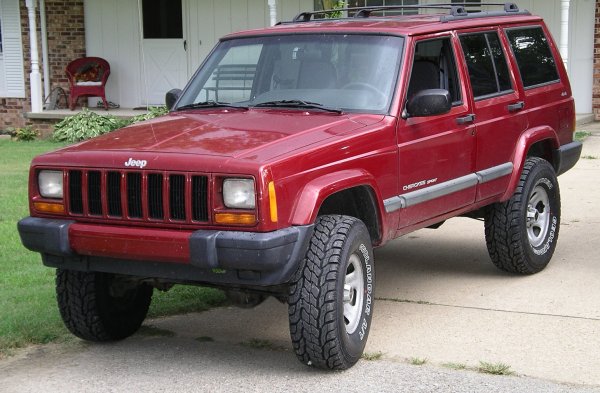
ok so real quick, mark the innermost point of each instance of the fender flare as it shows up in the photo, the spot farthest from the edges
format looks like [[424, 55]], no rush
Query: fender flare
[[526, 140], [314, 193]]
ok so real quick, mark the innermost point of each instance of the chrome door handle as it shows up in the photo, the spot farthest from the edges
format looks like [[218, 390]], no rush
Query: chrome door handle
[[516, 106], [470, 118]]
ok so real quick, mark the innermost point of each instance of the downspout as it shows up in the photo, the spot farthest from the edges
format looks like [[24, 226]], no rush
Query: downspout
[[35, 78], [272, 12], [45, 63], [564, 32]]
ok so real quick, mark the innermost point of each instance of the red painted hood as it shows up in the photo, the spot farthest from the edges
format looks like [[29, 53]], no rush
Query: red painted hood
[[253, 134]]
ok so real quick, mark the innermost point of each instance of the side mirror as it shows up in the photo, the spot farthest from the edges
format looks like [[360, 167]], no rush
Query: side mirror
[[171, 97], [429, 102]]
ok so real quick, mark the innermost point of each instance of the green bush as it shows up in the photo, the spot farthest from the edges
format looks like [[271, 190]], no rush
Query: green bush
[[153, 111], [87, 124], [26, 134]]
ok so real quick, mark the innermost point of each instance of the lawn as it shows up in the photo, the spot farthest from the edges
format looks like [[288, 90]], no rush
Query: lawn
[[28, 311]]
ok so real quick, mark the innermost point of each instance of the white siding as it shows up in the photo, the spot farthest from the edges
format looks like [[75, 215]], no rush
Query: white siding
[[12, 77], [113, 32], [581, 53]]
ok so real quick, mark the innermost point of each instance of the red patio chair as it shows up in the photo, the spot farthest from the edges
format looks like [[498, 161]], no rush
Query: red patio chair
[[87, 78]]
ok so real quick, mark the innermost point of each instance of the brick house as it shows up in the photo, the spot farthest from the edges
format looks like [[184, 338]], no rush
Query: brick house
[[155, 45]]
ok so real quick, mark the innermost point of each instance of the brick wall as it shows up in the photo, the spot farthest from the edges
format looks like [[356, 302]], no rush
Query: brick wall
[[66, 41], [596, 89]]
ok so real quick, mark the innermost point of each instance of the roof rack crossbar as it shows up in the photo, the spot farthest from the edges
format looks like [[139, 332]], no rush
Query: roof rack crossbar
[[456, 10]]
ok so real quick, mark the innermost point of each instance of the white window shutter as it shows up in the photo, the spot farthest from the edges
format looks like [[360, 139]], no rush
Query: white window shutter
[[12, 48]]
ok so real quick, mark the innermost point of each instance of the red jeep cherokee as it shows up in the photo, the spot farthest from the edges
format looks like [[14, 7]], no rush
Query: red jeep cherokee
[[294, 150]]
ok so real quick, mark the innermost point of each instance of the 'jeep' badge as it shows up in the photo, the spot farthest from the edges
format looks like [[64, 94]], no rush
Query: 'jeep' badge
[[136, 163]]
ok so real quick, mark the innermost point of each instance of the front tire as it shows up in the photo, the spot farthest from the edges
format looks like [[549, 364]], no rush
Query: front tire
[[100, 306], [331, 295], [521, 233]]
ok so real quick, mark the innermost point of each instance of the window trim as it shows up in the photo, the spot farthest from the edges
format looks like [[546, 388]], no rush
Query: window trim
[[498, 93], [460, 86], [538, 26]]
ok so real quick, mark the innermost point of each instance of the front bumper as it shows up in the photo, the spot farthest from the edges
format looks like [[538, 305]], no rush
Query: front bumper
[[212, 257]]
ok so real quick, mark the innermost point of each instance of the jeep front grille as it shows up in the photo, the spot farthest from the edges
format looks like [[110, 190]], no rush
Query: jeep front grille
[[138, 195]]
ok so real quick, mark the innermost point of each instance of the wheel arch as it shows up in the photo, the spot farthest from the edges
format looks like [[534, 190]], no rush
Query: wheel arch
[[535, 142], [349, 192]]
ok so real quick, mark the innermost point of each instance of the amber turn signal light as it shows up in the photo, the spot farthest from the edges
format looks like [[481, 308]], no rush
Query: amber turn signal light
[[235, 218], [54, 208]]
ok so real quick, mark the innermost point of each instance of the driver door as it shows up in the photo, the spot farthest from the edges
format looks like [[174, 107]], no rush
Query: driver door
[[436, 153]]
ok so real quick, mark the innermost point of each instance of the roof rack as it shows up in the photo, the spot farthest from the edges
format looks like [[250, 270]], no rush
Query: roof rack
[[456, 11]]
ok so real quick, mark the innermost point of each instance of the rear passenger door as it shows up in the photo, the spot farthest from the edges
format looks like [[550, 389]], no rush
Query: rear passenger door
[[547, 94], [436, 152], [498, 107]]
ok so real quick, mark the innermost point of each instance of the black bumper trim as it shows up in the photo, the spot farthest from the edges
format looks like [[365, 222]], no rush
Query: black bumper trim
[[567, 156], [216, 257]]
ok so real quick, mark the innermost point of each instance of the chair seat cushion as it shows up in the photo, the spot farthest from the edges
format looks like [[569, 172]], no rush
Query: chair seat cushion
[[90, 83]]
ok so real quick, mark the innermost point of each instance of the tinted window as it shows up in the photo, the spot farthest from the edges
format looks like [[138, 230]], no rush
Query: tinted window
[[162, 19], [434, 67], [533, 55], [486, 63]]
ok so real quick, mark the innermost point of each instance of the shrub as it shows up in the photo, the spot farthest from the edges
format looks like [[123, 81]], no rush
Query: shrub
[[26, 134], [85, 125], [153, 111]]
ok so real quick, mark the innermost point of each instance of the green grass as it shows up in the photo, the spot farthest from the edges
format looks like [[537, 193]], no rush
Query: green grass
[[494, 368], [28, 311], [589, 157], [417, 361], [372, 355], [581, 135]]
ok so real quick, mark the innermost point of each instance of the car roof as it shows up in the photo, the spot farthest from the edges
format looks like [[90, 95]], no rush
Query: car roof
[[406, 25]]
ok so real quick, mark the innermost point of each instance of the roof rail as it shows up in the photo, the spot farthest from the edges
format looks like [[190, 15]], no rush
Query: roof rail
[[455, 11]]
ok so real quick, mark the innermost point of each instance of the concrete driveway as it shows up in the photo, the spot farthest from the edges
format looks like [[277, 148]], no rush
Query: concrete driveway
[[438, 297]]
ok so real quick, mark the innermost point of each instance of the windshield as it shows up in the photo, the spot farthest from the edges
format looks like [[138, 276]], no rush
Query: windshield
[[348, 72]]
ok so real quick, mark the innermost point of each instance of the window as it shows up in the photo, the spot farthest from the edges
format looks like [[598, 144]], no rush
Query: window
[[162, 19], [486, 62], [434, 67], [468, 4], [378, 3], [533, 55]]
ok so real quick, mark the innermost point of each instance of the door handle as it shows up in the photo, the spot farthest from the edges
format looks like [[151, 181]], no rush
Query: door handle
[[185, 45], [470, 118], [516, 106]]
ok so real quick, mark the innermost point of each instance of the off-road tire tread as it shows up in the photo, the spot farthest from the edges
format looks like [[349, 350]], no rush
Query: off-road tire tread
[[311, 301], [78, 303], [503, 230]]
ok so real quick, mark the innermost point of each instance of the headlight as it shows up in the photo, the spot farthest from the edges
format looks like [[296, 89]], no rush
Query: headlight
[[239, 193], [50, 184]]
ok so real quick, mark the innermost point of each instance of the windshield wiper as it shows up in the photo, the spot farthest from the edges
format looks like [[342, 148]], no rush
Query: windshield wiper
[[297, 104], [211, 104]]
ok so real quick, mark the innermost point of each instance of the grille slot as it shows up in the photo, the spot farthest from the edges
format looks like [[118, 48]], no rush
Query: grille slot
[[134, 195], [200, 198], [94, 193], [75, 192], [177, 197], [140, 195], [113, 194], [155, 196]]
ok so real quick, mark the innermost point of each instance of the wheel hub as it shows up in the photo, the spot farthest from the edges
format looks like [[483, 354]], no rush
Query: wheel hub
[[354, 293], [538, 216]]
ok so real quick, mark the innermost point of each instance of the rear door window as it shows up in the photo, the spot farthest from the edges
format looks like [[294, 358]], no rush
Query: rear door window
[[534, 57], [486, 62]]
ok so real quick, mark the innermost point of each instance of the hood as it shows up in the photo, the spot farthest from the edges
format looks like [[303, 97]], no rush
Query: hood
[[230, 133]]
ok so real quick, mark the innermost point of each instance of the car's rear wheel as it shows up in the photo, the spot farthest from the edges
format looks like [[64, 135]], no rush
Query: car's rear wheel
[[331, 295], [101, 306], [521, 233]]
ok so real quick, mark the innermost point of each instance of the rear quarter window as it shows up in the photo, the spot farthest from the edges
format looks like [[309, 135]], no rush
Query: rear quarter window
[[534, 57]]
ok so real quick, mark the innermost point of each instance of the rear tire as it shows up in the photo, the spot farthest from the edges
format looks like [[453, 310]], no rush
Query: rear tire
[[521, 233], [95, 309], [331, 295]]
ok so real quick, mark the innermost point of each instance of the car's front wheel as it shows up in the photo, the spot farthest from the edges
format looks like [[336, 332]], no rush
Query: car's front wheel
[[101, 306], [331, 295]]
